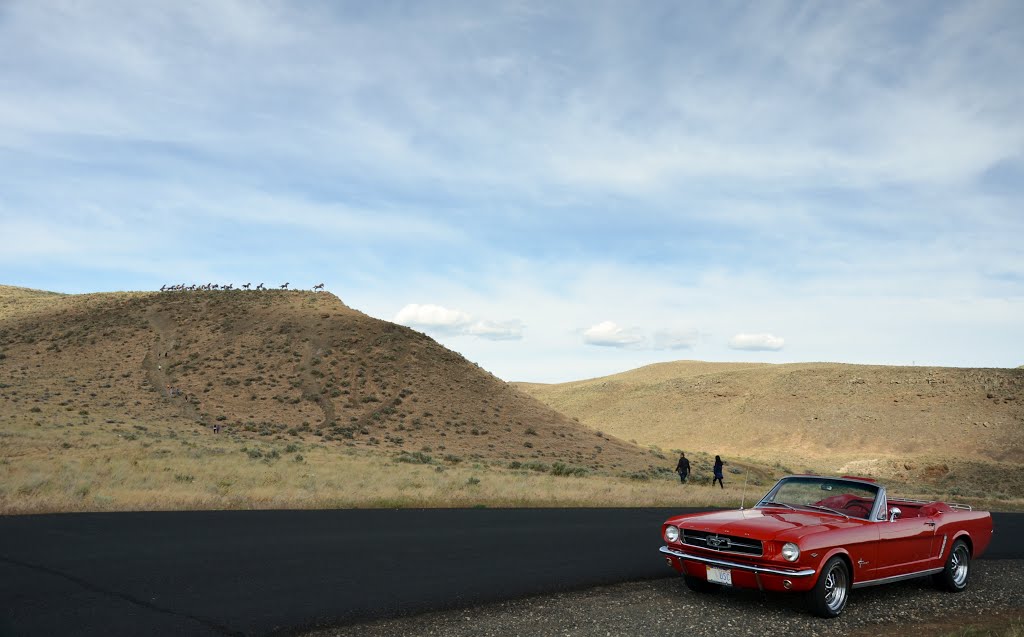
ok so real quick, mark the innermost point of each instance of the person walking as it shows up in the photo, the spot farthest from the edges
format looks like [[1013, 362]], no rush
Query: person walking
[[718, 472], [683, 468]]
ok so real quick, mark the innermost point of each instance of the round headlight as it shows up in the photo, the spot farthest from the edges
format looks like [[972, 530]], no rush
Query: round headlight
[[671, 533], [790, 551]]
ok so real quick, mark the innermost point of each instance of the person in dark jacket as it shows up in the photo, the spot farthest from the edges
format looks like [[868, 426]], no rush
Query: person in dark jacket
[[718, 472], [683, 467]]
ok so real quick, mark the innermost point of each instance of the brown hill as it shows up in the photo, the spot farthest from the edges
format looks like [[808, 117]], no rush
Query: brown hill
[[867, 419], [275, 364]]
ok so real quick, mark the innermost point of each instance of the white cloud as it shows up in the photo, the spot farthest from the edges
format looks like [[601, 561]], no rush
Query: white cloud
[[433, 318], [609, 334], [449, 322], [757, 342], [675, 339], [497, 331]]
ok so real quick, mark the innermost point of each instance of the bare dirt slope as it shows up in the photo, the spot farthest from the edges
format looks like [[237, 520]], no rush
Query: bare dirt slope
[[273, 362], [866, 419]]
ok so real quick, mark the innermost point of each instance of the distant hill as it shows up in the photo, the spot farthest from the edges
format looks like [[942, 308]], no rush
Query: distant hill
[[853, 418], [272, 364]]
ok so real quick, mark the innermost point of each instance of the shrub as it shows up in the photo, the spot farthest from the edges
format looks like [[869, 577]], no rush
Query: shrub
[[473, 481], [416, 457], [562, 469]]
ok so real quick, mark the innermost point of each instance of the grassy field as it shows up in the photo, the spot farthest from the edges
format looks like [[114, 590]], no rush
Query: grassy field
[[139, 467], [118, 467]]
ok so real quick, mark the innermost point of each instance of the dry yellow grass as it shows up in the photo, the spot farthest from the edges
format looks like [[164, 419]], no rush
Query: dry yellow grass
[[15, 301], [952, 429], [115, 468]]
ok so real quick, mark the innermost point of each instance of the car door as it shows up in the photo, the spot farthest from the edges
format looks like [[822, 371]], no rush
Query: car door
[[904, 546]]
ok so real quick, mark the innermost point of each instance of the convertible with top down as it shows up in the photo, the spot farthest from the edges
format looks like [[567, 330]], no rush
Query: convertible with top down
[[823, 536]]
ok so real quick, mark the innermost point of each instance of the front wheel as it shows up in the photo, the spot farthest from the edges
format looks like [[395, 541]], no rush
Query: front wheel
[[829, 596], [957, 573]]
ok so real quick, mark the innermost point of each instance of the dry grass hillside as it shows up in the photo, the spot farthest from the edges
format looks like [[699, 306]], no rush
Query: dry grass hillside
[[109, 402], [943, 426], [98, 378]]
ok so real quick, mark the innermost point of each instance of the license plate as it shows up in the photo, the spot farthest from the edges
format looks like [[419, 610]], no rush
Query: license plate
[[720, 575]]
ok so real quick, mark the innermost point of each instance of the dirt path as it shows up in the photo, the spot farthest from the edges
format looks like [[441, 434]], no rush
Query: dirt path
[[155, 364]]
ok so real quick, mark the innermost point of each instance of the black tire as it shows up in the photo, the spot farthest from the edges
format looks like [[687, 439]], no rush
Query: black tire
[[699, 585], [832, 590], [957, 573]]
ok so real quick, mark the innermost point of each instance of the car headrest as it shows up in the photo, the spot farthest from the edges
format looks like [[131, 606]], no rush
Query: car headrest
[[935, 508]]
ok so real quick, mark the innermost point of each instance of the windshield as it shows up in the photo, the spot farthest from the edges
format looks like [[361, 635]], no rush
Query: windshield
[[845, 497]]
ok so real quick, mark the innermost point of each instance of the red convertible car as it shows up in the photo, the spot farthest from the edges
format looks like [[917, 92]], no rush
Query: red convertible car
[[823, 536]]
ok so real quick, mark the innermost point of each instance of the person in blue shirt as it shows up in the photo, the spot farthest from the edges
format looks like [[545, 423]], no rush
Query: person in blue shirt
[[718, 472]]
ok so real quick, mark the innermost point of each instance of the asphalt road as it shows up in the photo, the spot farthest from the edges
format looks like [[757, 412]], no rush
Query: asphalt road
[[263, 572]]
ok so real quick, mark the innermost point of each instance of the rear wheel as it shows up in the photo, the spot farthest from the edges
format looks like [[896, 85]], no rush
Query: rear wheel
[[829, 596], [699, 585], [957, 573]]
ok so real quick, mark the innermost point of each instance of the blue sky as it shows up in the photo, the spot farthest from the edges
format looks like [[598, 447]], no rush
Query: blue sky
[[555, 190]]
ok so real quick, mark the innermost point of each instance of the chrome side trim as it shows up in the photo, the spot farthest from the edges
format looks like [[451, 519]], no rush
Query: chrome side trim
[[943, 549], [896, 578], [804, 572], [880, 507]]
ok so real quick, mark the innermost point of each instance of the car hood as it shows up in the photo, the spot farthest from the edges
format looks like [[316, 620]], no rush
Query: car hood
[[763, 524]]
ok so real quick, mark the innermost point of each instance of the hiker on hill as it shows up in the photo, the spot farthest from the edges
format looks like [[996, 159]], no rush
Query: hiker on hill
[[718, 472], [683, 467]]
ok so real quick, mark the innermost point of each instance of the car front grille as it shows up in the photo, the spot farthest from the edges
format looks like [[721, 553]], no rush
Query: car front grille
[[722, 543]]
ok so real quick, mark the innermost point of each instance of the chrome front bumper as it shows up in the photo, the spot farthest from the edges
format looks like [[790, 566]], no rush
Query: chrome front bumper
[[763, 570]]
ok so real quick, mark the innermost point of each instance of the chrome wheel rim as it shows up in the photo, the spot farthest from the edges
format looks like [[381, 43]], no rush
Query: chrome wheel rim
[[835, 588], [958, 565]]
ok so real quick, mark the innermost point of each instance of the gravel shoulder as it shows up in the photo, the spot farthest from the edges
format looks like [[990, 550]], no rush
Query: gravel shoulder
[[667, 607]]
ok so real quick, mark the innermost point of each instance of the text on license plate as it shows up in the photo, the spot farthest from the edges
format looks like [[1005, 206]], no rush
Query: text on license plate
[[719, 575]]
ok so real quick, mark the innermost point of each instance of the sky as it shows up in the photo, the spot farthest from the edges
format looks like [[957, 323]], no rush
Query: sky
[[555, 190]]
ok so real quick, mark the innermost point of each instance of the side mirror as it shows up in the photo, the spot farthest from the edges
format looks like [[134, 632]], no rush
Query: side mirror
[[894, 514]]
